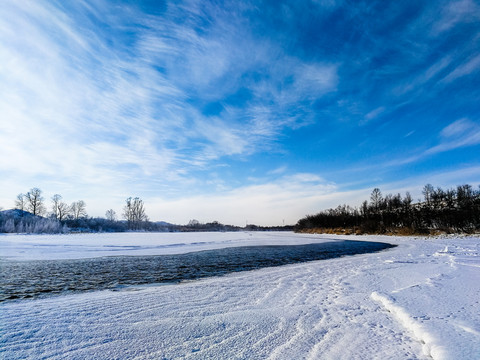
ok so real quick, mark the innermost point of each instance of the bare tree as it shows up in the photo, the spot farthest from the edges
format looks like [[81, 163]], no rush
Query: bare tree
[[376, 199], [364, 209], [407, 201], [193, 223], [60, 209], [134, 213], [450, 195], [34, 202], [20, 202], [78, 209], [63, 211], [465, 195], [427, 192], [56, 199], [111, 215]]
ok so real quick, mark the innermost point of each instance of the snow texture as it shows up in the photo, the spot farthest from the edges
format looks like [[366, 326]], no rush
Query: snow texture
[[420, 300]]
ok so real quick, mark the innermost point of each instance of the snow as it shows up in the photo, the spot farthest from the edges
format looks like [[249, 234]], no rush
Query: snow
[[420, 300], [78, 246]]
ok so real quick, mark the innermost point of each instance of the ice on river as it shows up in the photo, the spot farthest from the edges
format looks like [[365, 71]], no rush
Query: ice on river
[[420, 300], [78, 246]]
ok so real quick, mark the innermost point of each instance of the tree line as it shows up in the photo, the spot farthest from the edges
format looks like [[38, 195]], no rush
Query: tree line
[[31, 215], [452, 210]]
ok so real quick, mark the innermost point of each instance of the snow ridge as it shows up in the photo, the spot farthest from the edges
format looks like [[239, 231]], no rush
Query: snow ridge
[[430, 345]]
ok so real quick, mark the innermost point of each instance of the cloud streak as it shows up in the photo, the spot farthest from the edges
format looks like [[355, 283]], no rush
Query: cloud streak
[[192, 97], [458, 134], [124, 97]]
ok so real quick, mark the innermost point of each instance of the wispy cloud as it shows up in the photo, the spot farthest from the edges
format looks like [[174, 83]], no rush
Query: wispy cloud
[[279, 170], [468, 67], [373, 114], [417, 83], [315, 79], [201, 96], [455, 12], [113, 107], [458, 134]]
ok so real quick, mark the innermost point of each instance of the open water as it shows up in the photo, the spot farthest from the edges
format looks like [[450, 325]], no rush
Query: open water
[[40, 278]]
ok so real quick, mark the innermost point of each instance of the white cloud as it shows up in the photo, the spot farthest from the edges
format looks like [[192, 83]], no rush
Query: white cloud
[[458, 134], [279, 170], [457, 128], [372, 115], [455, 12], [87, 113], [102, 100], [313, 80], [468, 67], [418, 82], [77, 108], [269, 203]]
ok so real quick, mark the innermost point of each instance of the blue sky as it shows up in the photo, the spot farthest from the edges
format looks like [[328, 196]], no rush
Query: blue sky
[[237, 111]]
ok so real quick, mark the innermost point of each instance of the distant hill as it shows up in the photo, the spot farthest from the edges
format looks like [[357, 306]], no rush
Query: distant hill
[[163, 223], [17, 213], [24, 222]]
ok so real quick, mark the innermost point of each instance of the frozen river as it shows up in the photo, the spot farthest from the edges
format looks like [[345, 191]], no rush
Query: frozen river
[[418, 300], [39, 278]]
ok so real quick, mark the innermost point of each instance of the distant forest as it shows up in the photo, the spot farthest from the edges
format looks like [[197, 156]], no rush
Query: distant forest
[[455, 210], [450, 211], [34, 215]]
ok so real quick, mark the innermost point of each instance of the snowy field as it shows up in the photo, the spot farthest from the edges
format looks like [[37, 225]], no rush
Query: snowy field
[[420, 300]]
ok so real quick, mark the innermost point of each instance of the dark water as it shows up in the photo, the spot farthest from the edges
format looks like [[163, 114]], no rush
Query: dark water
[[40, 278]]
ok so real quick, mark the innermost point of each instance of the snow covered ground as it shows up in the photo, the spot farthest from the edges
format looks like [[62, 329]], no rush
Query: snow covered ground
[[420, 300]]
